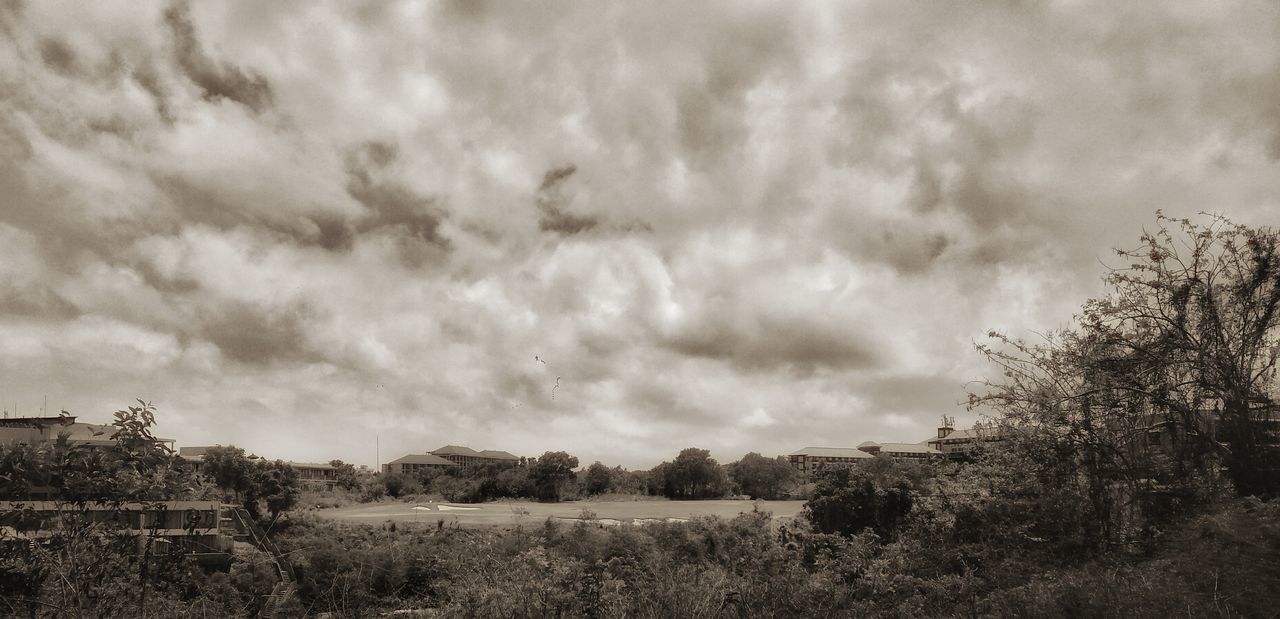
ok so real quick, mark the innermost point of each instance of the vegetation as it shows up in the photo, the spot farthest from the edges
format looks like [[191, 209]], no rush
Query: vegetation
[[693, 475], [763, 478], [976, 540], [255, 483]]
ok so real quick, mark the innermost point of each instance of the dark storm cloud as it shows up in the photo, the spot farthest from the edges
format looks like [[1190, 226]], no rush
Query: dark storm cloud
[[391, 206], [58, 56], [256, 335], [758, 340], [216, 79], [551, 203]]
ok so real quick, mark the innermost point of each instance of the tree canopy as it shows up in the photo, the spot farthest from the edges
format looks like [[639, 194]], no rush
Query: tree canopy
[[1169, 373], [762, 478]]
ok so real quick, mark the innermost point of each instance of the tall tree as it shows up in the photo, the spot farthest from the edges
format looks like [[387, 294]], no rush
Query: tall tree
[[230, 469], [550, 472], [597, 479], [761, 477], [694, 474], [346, 475], [1183, 346], [274, 484]]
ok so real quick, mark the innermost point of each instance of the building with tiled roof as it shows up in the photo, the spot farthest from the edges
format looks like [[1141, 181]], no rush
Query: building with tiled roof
[[467, 456], [38, 430], [900, 451], [414, 463], [316, 473], [960, 444], [811, 460]]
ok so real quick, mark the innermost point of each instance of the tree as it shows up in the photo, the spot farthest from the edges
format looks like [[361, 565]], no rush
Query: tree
[[135, 466], [85, 563], [275, 484], [345, 474], [761, 477], [230, 469], [694, 474], [393, 484], [1183, 346], [597, 479], [849, 501], [550, 472]]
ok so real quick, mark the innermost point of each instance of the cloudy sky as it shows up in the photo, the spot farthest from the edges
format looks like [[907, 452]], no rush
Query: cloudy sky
[[618, 229]]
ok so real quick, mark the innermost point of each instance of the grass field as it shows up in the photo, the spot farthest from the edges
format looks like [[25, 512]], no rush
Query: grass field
[[516, 512]]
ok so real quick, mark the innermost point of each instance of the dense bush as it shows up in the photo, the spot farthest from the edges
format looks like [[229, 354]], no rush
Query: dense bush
[[753, 565]]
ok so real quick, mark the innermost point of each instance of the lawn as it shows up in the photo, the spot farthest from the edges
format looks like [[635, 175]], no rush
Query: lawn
[[508, 513]]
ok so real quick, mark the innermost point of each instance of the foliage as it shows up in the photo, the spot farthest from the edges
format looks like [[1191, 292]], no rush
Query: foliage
[[82, 563], [550, 474], [274, 484], [1171, 373], [755, 566], [599, 479], [850, 500], [694, 474], [135, 466], [761, 477], [348, 478], [229, 468], [253, 482]]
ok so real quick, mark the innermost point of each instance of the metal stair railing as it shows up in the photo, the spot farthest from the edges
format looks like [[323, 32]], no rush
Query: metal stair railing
[[282, 589]]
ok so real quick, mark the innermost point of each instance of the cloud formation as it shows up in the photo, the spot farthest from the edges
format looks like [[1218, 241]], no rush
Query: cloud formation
[[749, 227]]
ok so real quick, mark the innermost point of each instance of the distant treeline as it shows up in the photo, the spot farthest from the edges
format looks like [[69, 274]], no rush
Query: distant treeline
[[693, 474]]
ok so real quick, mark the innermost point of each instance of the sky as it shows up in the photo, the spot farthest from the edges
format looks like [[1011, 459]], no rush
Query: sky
[[358, 230]]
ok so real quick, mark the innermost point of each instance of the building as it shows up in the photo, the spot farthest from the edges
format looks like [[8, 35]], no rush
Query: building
[[466, 456], [812, 460], [315, 474], [499, 457], [199, 528], [38, 430], [414, 463], [901, 451], [194, 454], [960, 444]]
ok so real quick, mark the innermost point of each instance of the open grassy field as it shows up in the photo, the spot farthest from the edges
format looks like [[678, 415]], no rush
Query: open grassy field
[[510, 513]]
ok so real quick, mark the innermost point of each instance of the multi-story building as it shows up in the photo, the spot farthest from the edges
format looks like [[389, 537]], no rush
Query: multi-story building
[[812, 460], [493, 456], [198, 529], [38, 430], [414, 463], [315, 474], [466, 456], [901, 451], [960, 444]]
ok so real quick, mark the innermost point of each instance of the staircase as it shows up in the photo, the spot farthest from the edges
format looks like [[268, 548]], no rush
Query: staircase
[[282, 589]]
